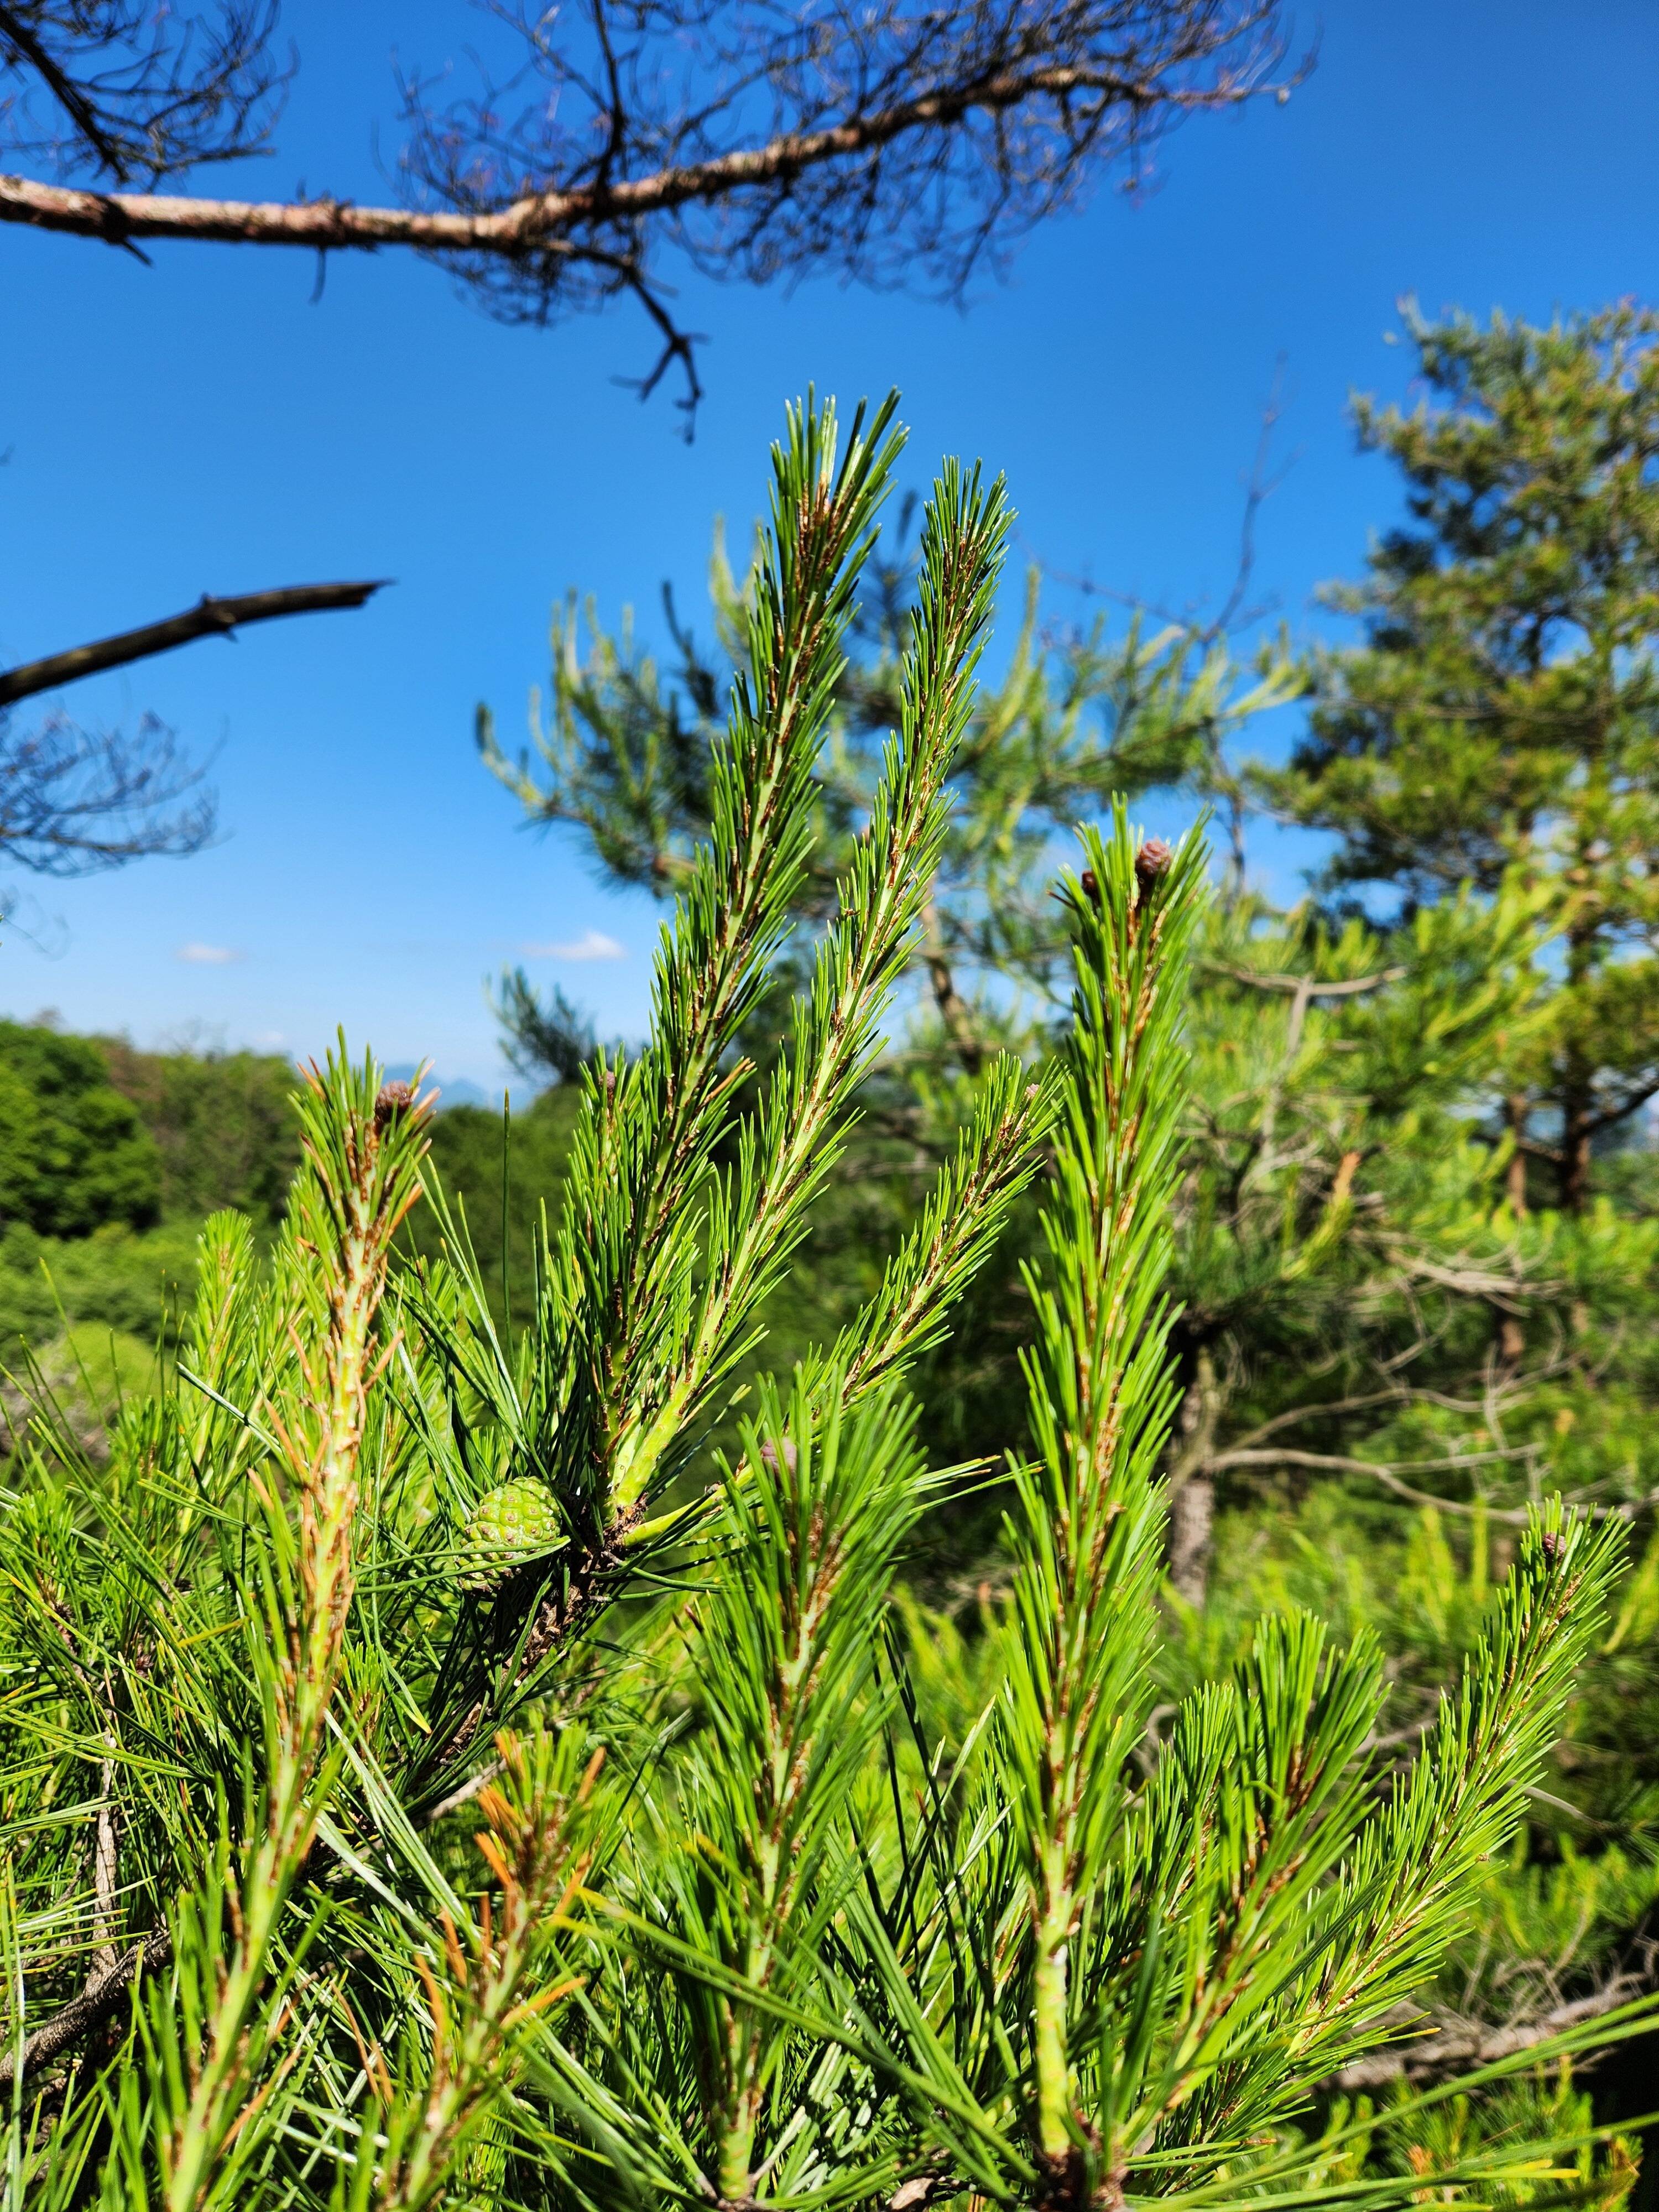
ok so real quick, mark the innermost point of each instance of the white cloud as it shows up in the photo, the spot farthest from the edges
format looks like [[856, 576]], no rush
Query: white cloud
[[592, 945], [209, 956]]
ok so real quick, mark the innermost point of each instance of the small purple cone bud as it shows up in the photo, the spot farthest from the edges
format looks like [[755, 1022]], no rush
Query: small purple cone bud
[[1153, 862], [1091, 888], [1551, 1545], [769, 1457], [392, 1102]]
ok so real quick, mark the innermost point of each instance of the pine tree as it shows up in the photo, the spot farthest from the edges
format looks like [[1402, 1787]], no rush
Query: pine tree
[[1374, 1346], [1504, 712], [425, 1784]]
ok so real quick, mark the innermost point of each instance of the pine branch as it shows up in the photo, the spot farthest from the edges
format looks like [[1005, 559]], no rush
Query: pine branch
[[995, 1160], [480, 1987], [363, 1148], [1101, 1402], [786, 1649], [1409, 1887], [553, 223], [757, 1221], [624, 1339], [81, 2014], [644, 1152]]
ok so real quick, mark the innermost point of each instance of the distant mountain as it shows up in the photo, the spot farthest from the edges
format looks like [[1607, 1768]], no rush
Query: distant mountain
[[454, 1089]]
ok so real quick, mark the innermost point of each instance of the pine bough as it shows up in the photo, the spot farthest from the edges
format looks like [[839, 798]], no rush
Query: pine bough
[[418, 1789]]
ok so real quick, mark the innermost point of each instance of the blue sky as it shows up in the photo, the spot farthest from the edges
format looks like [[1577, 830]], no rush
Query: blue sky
[[200, 425]]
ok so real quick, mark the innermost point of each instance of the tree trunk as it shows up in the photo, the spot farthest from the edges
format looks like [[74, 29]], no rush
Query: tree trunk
[[1511, 1337], [954, 1010], [1192, 1487], [1577, 1088], [1515, 1179], [1192, 1516], [1573, 1177]]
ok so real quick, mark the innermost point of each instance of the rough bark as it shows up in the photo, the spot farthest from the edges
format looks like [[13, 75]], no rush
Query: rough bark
[[1192, 1483], [1192, 1516], [82, 2014], [542, 222]]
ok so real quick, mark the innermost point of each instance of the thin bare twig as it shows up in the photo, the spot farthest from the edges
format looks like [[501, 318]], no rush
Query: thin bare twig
[[208, 617]]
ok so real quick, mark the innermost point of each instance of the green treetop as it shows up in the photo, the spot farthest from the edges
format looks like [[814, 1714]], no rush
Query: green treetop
[[73, 1155], [1503, 712]]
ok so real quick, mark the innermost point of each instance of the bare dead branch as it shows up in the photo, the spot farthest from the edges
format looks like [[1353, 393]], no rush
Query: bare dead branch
[[1455, 2046], [125, 89], [903, 147], [1304, 986], [1391, 1479], [75, 801], [82, 2014], [208, 617]]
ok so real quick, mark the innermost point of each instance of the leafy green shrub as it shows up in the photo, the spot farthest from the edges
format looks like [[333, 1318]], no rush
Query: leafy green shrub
[[223, 1124], [115, 1278], [74, 1154]]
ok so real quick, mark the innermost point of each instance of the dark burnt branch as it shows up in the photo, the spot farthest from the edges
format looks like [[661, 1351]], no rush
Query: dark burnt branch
[[678, 348], [74, 800], [82, 2014], [208, 617], [24, 48]]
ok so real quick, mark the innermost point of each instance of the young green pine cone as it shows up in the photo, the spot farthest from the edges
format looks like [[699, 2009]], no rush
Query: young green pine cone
[[509, 1527]]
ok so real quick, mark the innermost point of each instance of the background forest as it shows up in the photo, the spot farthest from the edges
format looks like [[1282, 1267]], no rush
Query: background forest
[[1416, 1227]]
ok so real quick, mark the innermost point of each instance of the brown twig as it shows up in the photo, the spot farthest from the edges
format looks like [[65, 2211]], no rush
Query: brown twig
[[82, 2014], [208, 617], [1379, 1471], [1457, 2044]]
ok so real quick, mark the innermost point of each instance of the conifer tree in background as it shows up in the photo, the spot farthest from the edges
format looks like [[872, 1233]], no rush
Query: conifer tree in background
[[620, 750], [425, 1785], [1504, 714]]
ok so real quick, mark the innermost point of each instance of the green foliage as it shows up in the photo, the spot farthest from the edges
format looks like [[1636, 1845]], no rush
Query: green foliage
[[74, 1154], [1503, 713], [1411, 1264], [499, 1178], [115, 1278], [101, 1138], [335, 1878], [223, 1124]]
